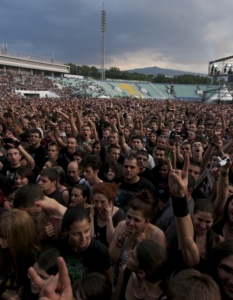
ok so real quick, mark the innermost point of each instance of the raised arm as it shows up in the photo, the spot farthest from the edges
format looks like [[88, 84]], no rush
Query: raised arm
[[27, 156], [78, 119], [208, 153], [118, 119], [122, 142], [227, 146], [179, 157], [178, 183], [93, 129], [222, 190], [58, 139], [215, 174], [74, 128], [65, 116], [160, 125]]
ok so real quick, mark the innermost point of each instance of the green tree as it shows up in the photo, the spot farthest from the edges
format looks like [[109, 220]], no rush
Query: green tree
[[113, 73], [94, 72], [85, 70], [73, 69]]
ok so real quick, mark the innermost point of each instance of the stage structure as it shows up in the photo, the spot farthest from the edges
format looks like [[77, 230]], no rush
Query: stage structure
[[221, 71]]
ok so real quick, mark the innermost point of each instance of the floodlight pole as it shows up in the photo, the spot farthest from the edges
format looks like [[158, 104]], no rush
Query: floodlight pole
[[103, 30]]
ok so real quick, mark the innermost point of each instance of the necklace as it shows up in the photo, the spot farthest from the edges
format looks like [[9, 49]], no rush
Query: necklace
[[141, 298], [101, 218]]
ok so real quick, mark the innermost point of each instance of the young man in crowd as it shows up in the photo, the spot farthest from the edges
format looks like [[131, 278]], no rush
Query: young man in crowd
[[47, 182]]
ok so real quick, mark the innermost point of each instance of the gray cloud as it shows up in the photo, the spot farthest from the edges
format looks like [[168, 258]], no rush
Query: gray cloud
[[166, 33]]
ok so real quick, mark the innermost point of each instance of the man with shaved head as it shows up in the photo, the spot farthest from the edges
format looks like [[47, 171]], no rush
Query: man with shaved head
[[73, 173]]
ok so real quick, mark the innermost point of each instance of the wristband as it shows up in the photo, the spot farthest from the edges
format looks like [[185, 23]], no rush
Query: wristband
[[118, 245], [120, 134], [212, 144], [180, 206]]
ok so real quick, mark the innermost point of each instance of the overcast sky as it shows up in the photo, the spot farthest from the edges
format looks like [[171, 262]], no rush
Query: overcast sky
[[176, 34]]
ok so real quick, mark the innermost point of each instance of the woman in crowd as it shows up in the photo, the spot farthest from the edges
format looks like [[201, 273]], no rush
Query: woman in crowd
[[82, 253], [61, 184], [143, 276], [99, 150], [151, 142], [203, 217], [80, 197], [104, 214], [23, 175], [114, 171], [225, 225], [11, 133], [17, 252], [134, 229]]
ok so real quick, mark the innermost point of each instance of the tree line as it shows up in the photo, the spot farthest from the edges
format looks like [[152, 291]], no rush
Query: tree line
[[116, 73]]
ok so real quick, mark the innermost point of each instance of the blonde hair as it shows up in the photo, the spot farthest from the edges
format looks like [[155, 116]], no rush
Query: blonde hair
[[18, 228]]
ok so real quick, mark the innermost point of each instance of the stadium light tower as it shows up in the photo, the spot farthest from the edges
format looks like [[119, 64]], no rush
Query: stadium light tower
[[103, 30]]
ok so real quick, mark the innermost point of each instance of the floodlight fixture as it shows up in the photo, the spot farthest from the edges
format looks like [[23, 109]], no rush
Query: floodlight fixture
[[103, 30]]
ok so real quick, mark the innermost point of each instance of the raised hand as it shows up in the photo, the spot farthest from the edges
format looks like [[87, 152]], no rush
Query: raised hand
[[140, 236], [124, 233], [57, 287], [178, 179], [109, 208]]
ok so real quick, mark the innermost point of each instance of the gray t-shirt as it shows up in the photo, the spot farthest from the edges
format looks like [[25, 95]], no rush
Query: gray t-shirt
[[167, 223]]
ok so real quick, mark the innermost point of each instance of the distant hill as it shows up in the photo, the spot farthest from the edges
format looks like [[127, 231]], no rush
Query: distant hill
[[167, 72]]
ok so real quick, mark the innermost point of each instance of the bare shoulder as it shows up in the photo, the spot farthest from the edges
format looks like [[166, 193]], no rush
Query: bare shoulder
[[120, 225]]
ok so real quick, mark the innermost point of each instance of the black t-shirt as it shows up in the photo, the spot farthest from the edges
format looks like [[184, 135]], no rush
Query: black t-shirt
[[95, 258], [9, 173], [65, 157], [101, 232], [147, 174], [38, 155], [162, 189], [127, 190], [71, 183], [57, 196], [5, 186]]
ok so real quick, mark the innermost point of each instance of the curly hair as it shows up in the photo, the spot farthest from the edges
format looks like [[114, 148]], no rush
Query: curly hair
[[109, 190]]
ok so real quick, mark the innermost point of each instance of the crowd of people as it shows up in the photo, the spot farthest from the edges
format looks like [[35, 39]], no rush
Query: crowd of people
[[12, 83], [115, 199]]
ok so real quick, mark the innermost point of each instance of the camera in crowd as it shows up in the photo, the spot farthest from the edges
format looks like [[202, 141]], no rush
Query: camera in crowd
[[222, 162]]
